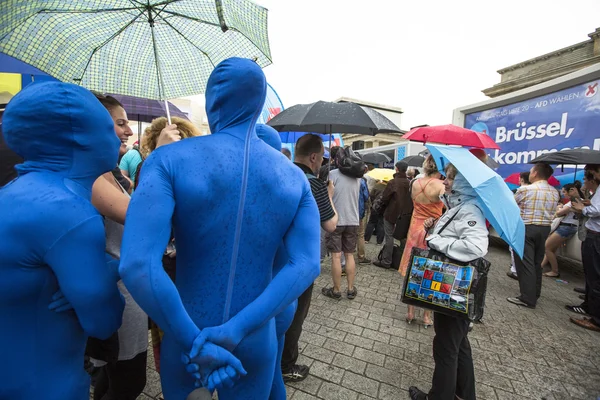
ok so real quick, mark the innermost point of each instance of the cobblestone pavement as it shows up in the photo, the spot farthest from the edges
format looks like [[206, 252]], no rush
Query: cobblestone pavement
[[363, 349]]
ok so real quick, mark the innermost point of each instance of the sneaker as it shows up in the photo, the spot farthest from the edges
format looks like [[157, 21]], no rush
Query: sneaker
[[296, 374], [330, 293], [512, 275], [364, 261], [381, 265]]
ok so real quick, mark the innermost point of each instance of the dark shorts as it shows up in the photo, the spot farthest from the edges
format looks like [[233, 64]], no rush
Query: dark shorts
[[343, 239], [566, 231]]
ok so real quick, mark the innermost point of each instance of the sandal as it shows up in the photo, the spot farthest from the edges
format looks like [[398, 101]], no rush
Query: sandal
[[551, 275], [351, 294], [330, 293]]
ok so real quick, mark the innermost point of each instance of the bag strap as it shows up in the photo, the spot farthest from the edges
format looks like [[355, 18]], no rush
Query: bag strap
[[448, 222]]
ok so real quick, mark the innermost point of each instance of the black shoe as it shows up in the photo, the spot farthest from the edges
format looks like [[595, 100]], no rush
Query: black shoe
[[351, 294], [364, 261], [519, 302], [582, 296], [381, 265], [297, 373], [511, 274], [578, 309], [579, 290], [416, 394]]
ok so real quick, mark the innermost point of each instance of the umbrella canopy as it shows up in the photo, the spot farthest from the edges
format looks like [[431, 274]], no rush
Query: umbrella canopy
[[496, 200], [451, 135], [414, 161], [381, 174], [292, 137], [375, 158], [158, 50], [146, 110], [570, 177], [515, 178], [328, 117], [12, 65], [575, 156]]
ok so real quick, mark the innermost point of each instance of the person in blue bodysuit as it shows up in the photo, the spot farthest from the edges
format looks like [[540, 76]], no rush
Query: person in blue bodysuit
[[230, 209], [282, 321], [53, 238]]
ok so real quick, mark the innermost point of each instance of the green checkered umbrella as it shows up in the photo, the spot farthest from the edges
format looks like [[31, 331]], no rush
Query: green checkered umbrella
[[152, 49]]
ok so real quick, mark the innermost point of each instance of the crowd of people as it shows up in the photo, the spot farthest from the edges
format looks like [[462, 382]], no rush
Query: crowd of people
[[105, 242]]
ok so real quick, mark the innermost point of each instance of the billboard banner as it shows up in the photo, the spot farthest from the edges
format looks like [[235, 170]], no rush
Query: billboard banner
[[567, 119]]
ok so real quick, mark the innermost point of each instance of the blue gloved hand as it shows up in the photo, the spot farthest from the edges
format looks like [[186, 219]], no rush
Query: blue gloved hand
[[212, 366], [225, 335], [59, 302]]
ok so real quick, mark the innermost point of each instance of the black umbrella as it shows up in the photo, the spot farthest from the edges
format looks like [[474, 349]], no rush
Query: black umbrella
[[575, 156], [414, 161], [375, 158], [327, 117]]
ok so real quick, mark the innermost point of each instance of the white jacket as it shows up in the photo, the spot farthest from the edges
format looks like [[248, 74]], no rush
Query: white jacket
[[466, 237]]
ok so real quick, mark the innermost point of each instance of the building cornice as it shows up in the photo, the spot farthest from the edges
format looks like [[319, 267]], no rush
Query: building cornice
[[369, 104], [544, 57]]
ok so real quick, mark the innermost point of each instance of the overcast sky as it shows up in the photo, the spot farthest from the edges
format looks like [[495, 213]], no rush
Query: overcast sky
[[427, 57]]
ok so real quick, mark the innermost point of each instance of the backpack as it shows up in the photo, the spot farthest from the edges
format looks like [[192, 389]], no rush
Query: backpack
[[349, 163], [378, 207]]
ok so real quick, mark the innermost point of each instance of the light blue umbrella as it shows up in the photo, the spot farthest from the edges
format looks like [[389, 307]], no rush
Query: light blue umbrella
[[495, 198]]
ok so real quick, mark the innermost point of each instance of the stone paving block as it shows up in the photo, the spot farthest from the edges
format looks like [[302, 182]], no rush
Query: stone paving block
[[552, 384], [508, 372], [405, 344], [371, 309], [369, 356], [401, 367], [330, 391], [289, 393], [576, 391], [327, 372], [350, 328], [318, 353], [377, 336], [485, 392], [359, 341], [389, 392], [388, 350], [332, 333], [383, 375], [494, 380], [310, 385], [298, 395], [350, 363], [532, 391], [339, 347], [357, 313], [313, 338], [366, 323], [310, 326], [381, 319], [343, 317], [360, 384], [325, 320], [153, 387], [502, 395]]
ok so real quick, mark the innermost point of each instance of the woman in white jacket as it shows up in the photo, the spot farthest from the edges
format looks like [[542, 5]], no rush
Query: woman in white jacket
[[464, 239]]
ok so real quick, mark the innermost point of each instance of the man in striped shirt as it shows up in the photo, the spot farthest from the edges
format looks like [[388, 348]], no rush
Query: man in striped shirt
[[308, 156], [538, 203]]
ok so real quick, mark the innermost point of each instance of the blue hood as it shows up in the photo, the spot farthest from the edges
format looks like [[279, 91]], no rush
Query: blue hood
[[235, 95], [462, 192], [61, 128], [269, 135]]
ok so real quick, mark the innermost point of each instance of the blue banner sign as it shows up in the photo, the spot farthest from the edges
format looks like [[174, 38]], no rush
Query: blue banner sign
[[567, 119]]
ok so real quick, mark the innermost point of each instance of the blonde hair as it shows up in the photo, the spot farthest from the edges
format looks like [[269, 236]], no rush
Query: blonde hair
[[429, 167], [186, 130]]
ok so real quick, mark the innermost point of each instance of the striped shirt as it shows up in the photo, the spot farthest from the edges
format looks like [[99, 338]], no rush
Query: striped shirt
[[538, 203], [319, 191]]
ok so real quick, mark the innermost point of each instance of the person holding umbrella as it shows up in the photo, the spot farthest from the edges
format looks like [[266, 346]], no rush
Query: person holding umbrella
[[463, 238]]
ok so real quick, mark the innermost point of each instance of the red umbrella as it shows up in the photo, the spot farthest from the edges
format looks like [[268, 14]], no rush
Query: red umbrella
[[514, 179], [451, 134]]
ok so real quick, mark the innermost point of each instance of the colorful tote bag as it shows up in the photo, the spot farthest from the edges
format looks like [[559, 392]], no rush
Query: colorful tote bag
[[436, 282]]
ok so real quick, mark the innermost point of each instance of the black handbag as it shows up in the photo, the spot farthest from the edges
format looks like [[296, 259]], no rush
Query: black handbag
[[439, 283], [402, 226]]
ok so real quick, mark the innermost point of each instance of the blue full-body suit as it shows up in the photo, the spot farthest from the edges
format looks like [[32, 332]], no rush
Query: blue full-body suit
[[52, 237], [230, 210], [283, 320]]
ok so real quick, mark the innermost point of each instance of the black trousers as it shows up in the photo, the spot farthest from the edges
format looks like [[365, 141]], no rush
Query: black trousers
[[375, 224], [453, 373], [122, 380], [289, 357], [590, 254], [529, 268]]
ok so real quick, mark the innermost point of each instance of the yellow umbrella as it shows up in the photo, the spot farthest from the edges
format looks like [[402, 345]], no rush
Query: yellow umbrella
[[382, 174]]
